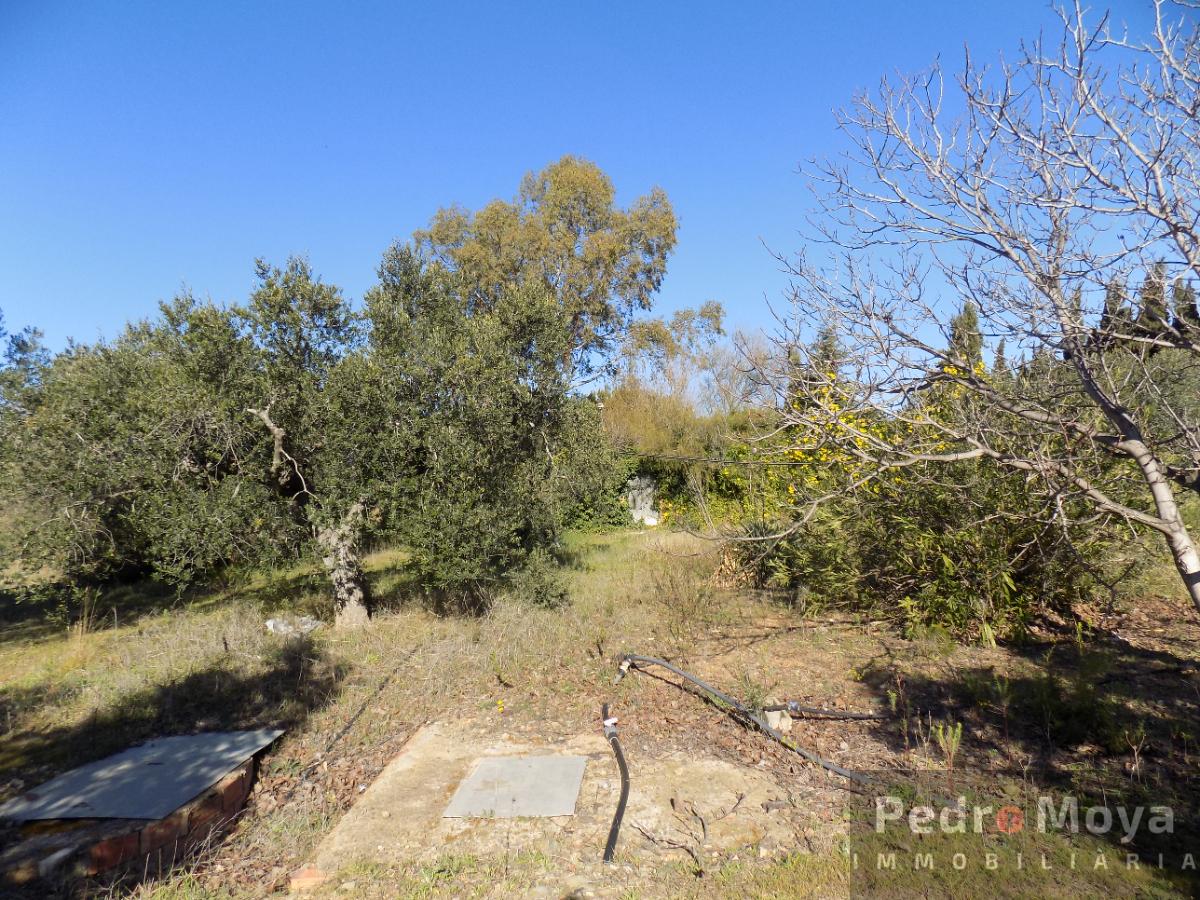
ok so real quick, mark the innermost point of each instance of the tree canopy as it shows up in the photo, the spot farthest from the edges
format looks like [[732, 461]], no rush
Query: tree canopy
[[440, 413], [565, 233]]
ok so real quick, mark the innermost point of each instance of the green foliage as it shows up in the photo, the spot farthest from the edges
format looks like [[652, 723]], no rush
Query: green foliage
[[292, 424], [948, 738], [1187, 313], [1153, 315], [133, 456], [493, 444], [564, 234], [672, 404], [959, 545], [966, 342], [1065, 701], [918, 550], [1116, 316], [23, 360], [591, 472]]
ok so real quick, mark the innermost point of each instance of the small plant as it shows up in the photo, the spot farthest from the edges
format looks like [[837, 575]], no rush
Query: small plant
[[753, 693], [948, 738], [1135, 738], [1185, 736], [987, 636], [685, 595]]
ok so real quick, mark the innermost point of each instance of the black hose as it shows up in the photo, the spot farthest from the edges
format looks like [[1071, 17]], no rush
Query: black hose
[[630, 659], [816, 712], [610, 732]]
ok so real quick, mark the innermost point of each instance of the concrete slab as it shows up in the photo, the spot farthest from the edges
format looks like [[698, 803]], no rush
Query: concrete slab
[[399, 819], [149, 781], [506, 787]]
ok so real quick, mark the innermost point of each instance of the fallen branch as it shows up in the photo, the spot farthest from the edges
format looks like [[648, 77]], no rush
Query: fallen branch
[[630, 660]]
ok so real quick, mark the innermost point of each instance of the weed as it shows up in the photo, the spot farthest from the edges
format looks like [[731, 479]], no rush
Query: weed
[[987, 636], [753, 692], [1136, 739], [948, 738]]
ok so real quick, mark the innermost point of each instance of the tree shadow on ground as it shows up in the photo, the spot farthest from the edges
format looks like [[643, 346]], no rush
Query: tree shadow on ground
[[53, 610], [1106, 721], [293, 682]]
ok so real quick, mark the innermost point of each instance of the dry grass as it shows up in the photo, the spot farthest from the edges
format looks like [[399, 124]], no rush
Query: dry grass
[[350, 699]]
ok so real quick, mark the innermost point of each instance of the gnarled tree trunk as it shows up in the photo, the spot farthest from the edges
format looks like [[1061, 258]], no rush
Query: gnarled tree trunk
[[338, 544]]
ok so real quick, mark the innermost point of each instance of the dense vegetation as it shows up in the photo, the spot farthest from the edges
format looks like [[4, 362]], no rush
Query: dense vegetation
[[505, 376], [439, 413]]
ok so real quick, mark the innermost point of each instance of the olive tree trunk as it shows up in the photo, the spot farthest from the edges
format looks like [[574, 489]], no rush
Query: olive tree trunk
[[338, 544]]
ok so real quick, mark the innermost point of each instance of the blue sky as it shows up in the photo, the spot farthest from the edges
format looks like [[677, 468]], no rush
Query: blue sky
[[149, 145]]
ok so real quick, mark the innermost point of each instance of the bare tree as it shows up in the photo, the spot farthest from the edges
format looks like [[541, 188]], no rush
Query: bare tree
[[1031, 192]]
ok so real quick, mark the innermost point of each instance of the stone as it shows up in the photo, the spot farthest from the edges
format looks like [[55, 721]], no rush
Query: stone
[[639, 494], [293, 626], [307, 879], [780, 721]]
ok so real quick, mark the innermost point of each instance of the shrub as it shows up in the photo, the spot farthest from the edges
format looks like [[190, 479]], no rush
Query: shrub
[[965, 555]]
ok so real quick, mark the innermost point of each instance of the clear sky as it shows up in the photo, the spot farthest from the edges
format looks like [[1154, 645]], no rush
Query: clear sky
[[149, 145]]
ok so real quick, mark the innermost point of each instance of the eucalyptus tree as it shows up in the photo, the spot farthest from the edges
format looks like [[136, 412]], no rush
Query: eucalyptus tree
[[565, 234]]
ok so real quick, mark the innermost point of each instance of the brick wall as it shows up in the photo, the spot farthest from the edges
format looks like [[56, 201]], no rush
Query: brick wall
[[148, 848]]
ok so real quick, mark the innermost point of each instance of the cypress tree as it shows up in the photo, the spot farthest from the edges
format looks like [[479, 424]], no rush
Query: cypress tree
[[1117, 317], [1187, 315], [1152, 298], [966, 341], [1000, 361]]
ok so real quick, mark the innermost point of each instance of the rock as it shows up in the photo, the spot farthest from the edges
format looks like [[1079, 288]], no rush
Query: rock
[[639, 494], [307, 879], [293, 626], [780, 721]]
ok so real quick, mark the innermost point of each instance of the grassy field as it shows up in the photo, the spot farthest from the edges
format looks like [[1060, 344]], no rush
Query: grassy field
[[1109, 712]]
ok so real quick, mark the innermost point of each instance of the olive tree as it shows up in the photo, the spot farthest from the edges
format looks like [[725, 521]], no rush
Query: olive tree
[[441, 413], [481, 424], [131, 456]]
